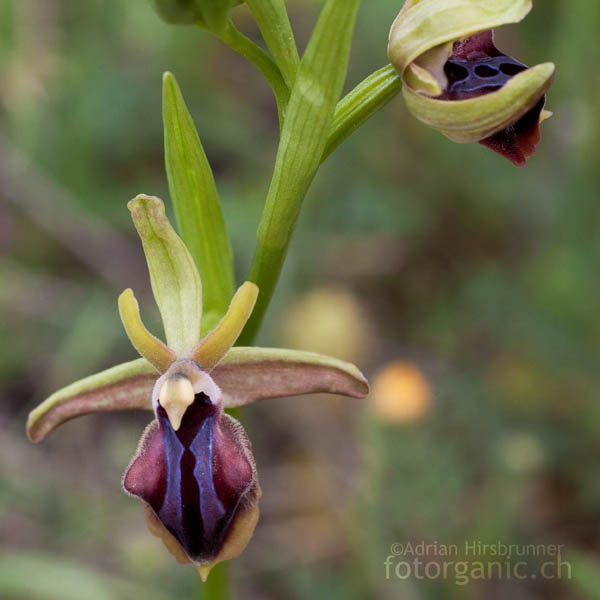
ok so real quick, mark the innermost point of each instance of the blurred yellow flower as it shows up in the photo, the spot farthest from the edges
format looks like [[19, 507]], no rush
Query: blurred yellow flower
[[338, 325], [400, 393]]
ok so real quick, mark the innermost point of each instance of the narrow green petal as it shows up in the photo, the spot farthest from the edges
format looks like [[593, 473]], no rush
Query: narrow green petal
[[426, 73], [424, 24], [149, 346], [477, 118], [124, 387], [196, 200], [216, 344], [418, 78], [173, 274], [247, 374]]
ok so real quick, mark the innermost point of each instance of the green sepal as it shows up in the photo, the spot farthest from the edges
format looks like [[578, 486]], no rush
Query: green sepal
[[245, 374], [173, 274], [124, 387], [425, 24], [196, 201]]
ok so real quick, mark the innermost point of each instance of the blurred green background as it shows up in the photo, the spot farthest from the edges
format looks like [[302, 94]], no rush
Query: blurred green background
[[477, 282]]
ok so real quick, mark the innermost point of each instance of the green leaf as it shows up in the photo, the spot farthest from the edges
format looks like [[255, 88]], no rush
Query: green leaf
[[196, 202], [124, 387], [173, 274], [308, 120]]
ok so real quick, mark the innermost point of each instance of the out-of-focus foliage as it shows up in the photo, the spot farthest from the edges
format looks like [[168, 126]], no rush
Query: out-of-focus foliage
[[482, 275]]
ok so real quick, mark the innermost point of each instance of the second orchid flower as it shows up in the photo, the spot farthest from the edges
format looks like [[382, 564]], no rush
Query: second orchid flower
[[457, 81]]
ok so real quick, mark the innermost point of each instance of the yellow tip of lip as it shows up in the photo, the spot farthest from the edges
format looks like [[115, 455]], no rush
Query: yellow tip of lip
[[204, 571], [176, 394]]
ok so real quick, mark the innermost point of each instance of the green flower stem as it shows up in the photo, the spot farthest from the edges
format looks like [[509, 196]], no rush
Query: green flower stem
[[266, 268], [274, 24], [308, 121], [237, 41], [368, 97], [217, 584], [359, 105]]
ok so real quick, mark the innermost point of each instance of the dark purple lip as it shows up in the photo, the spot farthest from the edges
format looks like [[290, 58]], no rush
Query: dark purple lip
[[476, 68], [189, 479]]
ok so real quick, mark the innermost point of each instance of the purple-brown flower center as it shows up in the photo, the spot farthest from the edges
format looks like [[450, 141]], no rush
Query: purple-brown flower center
[[193, 478], [477, 67], [468, 78]]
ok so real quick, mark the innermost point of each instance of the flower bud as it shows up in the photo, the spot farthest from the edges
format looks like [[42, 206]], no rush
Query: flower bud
[[176, 12], [457, 81], [212, 14]]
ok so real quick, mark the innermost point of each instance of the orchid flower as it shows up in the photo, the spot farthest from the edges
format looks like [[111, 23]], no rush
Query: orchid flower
[[458, 82], [193, 471]]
